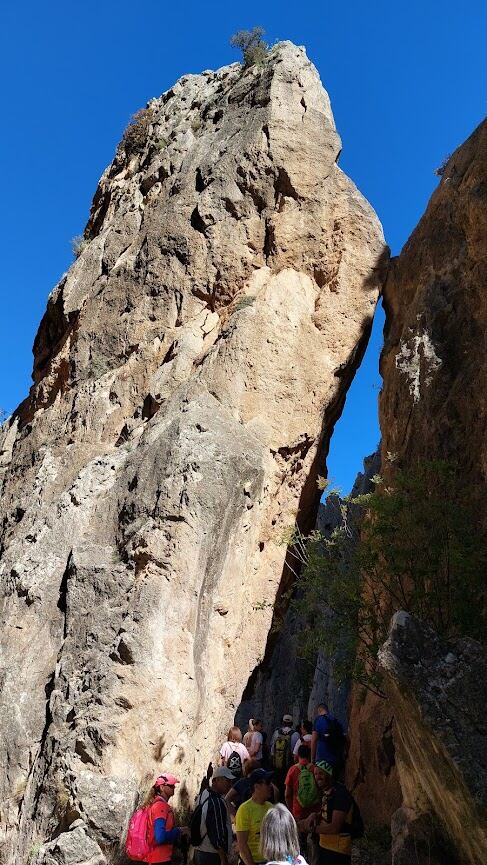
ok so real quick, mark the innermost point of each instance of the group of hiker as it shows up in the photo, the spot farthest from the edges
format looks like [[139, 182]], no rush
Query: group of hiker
[[243, 796]]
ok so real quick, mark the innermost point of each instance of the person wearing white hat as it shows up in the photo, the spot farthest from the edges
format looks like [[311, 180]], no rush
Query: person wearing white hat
[[215, 826], [281, 752]]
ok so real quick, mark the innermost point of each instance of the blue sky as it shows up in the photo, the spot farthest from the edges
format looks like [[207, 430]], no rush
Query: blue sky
[[407, 83]]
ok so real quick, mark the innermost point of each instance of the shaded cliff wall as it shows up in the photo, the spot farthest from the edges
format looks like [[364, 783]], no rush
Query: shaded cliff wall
[[437, 691], [187, 375], [432, 404]]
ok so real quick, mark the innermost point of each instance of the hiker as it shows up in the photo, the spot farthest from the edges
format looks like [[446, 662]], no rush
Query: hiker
[[212, 827], [333, 824], [241, 790], [305, 733], [161, 829], [233, 752], [327, 739], [302, 794], [296, 736], [255, 748], [279, 837], [281, 751], [249, 818], [248, 735]]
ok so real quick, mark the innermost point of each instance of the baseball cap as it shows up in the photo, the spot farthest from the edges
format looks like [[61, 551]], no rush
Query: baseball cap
[[166, 779], [223, 772], [322, 764], [259, 776], [288, 719]]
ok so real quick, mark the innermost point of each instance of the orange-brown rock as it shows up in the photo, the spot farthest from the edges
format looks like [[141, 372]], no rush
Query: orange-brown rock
[[433, 401]]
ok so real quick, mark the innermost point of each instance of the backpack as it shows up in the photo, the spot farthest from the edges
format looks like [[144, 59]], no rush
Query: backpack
[[335, 736], [195, 836], [137, 846], [282, 751], [308, 792], [234, 763], [356, 825]]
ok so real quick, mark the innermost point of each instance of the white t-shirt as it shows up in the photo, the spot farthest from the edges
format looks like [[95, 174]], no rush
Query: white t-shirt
[[305, 740], [256, 742], [228, 748]]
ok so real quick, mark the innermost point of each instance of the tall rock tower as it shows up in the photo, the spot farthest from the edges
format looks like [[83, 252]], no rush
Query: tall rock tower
[[188, 372]]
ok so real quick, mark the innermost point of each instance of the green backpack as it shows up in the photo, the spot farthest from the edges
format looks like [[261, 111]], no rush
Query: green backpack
[[308, 793], [282, 751]]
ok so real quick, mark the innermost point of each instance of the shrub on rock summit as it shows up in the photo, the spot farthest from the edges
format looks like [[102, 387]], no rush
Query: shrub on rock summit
[[251, 44]]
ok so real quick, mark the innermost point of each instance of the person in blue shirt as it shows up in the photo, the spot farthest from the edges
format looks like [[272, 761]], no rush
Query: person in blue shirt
[[327, 739]]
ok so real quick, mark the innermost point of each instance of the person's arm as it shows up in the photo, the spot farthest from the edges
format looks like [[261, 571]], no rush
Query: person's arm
[[276, 796], [230, 800], [314, 745], [243, 847], [246, 755], [163, 835], [333, 828], [288, 796]]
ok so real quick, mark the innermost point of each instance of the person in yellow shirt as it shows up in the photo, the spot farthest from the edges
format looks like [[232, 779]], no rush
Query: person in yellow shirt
[[333, 825], [249, 818]]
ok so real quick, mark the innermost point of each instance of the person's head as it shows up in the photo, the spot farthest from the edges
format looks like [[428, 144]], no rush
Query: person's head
[[258, 725], [222, 780], [304, 753], [260, 785], [234, 734], [251, 725], [165, 785], [287, 720], [249, 767], [279, 835], [323, 775], [322, 709], [306, 728]]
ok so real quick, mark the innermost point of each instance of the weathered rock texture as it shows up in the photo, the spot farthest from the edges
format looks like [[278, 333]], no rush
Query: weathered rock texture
[[187, 374], [285, 682], [432, 404], [438, 695]]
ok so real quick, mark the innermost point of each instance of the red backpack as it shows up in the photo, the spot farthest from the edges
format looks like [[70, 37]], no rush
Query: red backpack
[[137, 845]]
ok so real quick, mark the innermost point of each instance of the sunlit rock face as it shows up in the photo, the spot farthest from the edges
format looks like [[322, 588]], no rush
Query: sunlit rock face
[[432, 405], [187, 374]]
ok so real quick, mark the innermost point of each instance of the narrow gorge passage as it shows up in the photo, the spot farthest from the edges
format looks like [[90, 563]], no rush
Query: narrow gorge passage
[[282, 681]]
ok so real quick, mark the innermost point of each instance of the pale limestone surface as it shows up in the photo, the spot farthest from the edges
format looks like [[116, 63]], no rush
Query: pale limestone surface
[[188, 372]]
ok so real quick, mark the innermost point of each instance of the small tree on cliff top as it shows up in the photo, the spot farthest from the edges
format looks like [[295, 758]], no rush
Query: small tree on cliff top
[[252, 45], [410, 545]]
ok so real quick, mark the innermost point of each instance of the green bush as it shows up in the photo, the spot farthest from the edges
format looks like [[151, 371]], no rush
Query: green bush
[[136, 134], [251, 44], [78, 244], [410, 545]]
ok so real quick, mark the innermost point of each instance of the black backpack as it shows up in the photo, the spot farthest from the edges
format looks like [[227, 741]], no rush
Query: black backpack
[[356, 825], [234, 763], [195, 835], [335, 736]]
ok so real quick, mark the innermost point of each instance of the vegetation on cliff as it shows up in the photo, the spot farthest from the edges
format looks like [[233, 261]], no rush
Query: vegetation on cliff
[[412, 544]]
